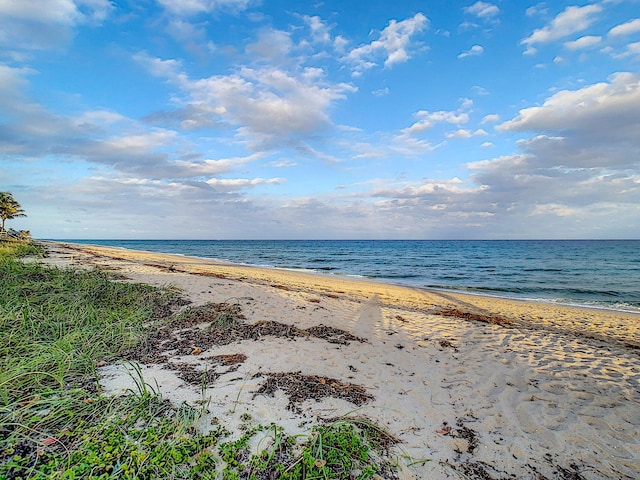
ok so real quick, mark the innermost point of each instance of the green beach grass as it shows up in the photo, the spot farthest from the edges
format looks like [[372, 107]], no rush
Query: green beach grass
[[57, 325]]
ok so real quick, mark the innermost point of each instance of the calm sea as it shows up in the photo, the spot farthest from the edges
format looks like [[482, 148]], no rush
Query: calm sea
[[596, 273]]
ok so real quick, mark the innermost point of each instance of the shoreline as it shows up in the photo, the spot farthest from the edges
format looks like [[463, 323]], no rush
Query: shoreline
[[379, 280], [386, 281], [480, 387]]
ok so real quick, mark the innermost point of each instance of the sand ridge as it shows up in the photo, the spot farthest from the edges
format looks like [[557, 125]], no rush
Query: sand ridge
[[493, 389]]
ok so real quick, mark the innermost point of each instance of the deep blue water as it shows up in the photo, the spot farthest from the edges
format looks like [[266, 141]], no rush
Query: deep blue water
[[599, 273]]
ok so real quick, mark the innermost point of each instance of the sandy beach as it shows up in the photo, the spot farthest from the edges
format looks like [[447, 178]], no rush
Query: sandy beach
[[471, 386]]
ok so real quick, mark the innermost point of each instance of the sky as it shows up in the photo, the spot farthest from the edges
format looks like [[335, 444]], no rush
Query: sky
[[282, 119]]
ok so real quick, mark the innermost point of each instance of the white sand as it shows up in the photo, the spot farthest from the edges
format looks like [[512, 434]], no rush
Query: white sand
[[556, 393]]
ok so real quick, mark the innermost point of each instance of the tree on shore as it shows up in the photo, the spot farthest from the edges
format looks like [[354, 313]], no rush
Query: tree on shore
[[10, 208]]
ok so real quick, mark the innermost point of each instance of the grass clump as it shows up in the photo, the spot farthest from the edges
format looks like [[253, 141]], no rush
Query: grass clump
[[56, 324], [129, 437], [347, 448], [20, 248]]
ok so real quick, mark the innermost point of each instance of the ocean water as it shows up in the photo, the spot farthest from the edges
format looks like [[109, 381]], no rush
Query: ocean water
[[595, 273]]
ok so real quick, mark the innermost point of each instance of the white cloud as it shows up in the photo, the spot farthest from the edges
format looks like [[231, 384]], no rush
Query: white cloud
[[61, 12], [41, 11], [473, 51], [393, 45], [186, 32], [536, 10], [571, 20], [319, 31], [94, 11], [158, 67], [282, 164], [460, 133], [420, 126], [426, 120], [207, 167], [408, 142], [366, 150], [46, 24], [340, 44], [581, 156], [104, 117], [553, 209], [491, 118], [468, 25], [12, 82], [194, 7], [108, 141], [231, 184], [425, 187], [483, 10], [631, 50], [583, 42], [381, 92], [454, 117], [272, 47], [604, 111], [465, 103], [515, 183], [268, 106], [125, 205], [627, 28], [464, 133], [481, 91], [141, 142]]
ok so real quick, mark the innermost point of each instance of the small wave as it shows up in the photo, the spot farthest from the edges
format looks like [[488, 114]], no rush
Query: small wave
[[550, 292], [615, 306], [399, 276], [535, 295], [539, 269], [295, 269]]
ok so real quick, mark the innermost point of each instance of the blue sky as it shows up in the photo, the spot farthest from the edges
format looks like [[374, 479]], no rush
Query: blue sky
[[283, 119]]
